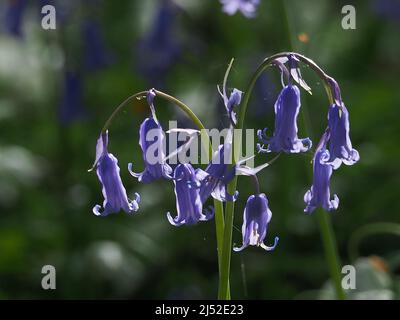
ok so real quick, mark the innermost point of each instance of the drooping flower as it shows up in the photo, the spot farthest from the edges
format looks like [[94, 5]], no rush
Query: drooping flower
[[256, 218], [188, 201], [159, 49], [233, 100], [152, 143], [247, 7], [115, 197], [71, 107], [219, 172], [216, 176], [319, 195], [285, 137], [13, 16], [340, 147], [152, 139], [96, 55]]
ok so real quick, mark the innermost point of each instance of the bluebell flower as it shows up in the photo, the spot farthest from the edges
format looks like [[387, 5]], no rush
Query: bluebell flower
[[231, 102], [152, 143], [285, 137], [71, 107], [159, 49], [247, 7], [256, 218], [340, 147], [95, 54], [154, 168], [214, 179], [319, 195], [115, 197], [188, 201], [219, 172], [13, 16], [234, 98]]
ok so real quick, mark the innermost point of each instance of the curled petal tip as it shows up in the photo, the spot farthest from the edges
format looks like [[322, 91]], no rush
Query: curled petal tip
[[208, 213], [307, 143], [335, 202], [309, 209], [262, 136], [238, 249], [172, 220], [133, 174], [355, 155], [96, 210], [353, 158], [267, 248]]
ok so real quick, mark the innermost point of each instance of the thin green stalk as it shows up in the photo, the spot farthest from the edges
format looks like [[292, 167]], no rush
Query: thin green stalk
[[139, 95], [219, 210], [331, 254], [224, 290], [219, 225]]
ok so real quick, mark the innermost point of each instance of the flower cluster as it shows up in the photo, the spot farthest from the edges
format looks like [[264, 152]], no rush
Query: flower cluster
[[334, 148], [194, 186]]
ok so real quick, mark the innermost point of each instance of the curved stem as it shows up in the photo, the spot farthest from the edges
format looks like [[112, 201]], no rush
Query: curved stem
[[139, 95], [185, 109], [371, 229], [267, 63]]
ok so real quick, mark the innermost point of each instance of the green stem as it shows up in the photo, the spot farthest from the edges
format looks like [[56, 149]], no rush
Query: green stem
[[139, 95], [330, 248], [189, 113], [224, 290], [219, 210], [219, 225]]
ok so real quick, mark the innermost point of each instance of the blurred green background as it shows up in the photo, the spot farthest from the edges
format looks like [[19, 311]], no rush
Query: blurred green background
[[58, 87]]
